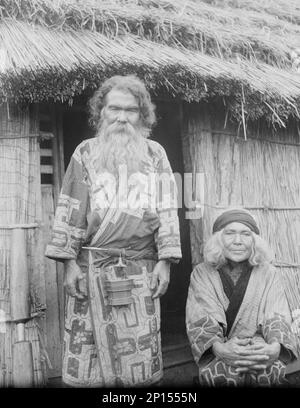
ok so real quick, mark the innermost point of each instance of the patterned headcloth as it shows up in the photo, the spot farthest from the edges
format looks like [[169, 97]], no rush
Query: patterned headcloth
[[230, 216]]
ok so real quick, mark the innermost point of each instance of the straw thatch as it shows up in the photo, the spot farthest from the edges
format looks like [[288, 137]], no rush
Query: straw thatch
[[194, 50], [194, 24]]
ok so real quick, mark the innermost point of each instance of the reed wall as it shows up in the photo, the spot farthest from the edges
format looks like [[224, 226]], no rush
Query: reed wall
[[20, 198]]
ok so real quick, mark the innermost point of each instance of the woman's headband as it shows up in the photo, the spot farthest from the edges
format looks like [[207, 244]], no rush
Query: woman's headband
[[230, 216]]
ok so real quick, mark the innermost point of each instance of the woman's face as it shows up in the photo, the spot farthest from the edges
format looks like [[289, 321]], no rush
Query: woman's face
[[238, 241]]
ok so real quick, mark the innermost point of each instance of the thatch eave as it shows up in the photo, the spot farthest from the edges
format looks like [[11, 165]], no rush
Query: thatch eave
[[45, 64], [238, 102]]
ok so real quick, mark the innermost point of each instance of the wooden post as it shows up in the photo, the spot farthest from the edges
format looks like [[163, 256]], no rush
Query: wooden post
[[53, 270], [58, 150], [59, 172], [20, 310], [192, 163]]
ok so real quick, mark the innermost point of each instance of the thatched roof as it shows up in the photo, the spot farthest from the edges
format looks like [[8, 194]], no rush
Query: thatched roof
[[237, 50]]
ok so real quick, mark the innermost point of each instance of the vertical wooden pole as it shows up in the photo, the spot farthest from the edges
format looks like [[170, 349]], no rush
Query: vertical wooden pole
[[194, 122], [54, 271], [20, 311], [58, 150], [59, 165]]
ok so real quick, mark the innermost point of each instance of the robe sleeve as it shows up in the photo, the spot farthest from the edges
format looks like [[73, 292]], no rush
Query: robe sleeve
[[167, 237], [205, 318], [277, 320], [70, 222]]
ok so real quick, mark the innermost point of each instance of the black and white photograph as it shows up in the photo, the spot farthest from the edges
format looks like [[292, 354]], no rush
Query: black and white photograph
[[149, 198]]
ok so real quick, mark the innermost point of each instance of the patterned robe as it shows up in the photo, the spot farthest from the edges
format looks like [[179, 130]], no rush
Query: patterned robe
[[107, 345], [263, 315]]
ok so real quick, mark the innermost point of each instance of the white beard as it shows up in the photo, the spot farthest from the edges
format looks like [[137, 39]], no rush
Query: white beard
[[121, 145]]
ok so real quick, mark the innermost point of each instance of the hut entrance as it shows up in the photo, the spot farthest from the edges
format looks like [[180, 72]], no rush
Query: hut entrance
[[167, 133]]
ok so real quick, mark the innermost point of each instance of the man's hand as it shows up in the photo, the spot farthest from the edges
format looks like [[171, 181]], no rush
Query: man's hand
[[160, 277], [72, 278], [241, 354]]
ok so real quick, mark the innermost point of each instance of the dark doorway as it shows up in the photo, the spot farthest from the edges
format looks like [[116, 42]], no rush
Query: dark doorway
[[167, 133]]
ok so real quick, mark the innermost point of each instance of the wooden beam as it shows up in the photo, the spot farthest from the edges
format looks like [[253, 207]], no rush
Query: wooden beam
[[59, 171], [46, 152], [54, 342], [54, 270], [46, 169], [58, 167], [190, 159]]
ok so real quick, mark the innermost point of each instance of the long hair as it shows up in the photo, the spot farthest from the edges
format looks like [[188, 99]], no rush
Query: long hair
[[214, 251], [128, 83]]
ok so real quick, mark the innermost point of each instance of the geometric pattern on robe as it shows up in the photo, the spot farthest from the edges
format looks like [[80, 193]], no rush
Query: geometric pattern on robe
[[102, 339], [120, 345], [263, 314]]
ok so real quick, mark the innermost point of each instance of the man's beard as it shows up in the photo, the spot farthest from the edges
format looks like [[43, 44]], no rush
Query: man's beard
[[121, 144]]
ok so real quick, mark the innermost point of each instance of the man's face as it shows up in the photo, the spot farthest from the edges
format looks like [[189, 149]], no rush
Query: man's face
[[121, 108], [123, 138], [237, 239]]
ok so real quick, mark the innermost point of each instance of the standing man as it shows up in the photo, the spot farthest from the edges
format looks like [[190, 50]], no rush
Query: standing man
[[116, 223]]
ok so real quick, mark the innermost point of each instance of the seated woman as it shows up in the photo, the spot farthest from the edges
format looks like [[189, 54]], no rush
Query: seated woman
[[237, 316]]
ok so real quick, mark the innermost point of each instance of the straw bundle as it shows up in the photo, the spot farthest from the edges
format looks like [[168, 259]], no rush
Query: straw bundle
[[19, 196]]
